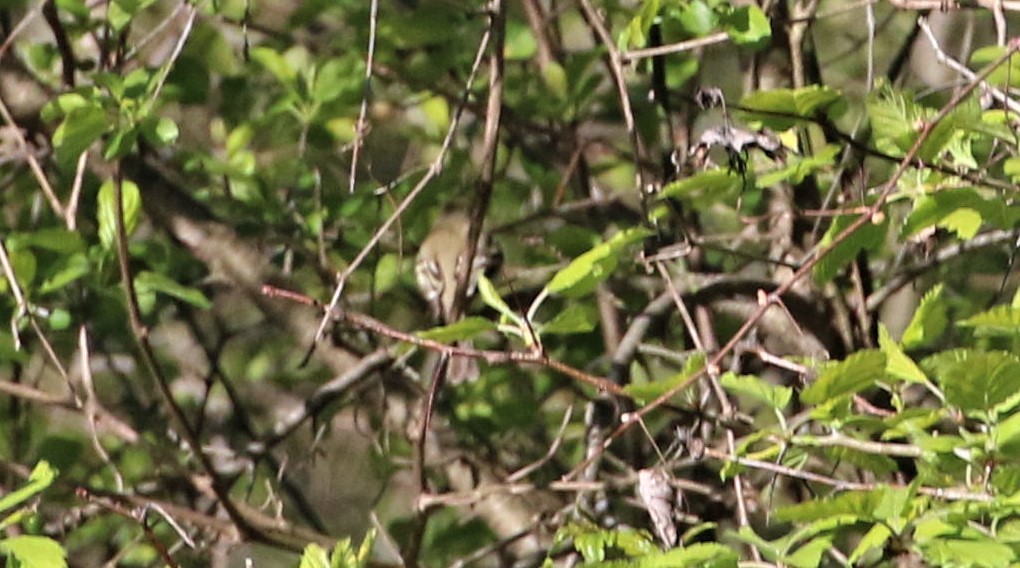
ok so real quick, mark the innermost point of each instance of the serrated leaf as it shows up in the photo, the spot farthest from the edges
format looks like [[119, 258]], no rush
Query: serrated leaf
[[959, 552], [869, 237], [898, 364], [466, 328], [147, 282], [131, 201], [856, 373], [314, 556], [575, 318], [976, 381], [34, 551], [929, 321], [1000, 320], [580, 277], [702, 554], [959, 210], [854, 504], [768, 107], [775, 396]]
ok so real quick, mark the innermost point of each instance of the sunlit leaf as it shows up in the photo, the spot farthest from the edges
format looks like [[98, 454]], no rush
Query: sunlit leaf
[[131, 201], [929, 321], [858, 372]]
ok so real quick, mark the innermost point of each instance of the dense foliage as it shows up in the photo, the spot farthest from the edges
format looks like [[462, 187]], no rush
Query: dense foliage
[[756, 303]]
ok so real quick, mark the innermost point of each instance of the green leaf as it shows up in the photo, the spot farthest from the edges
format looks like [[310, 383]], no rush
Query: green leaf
[[492, 299], [555, 79], [854, 504], [68, 269], [976, 381], [79, 129], [960, 210], [52, 239], [709, 185], [1000, 320], [697, 18], [314, 557], [782, 109], [869, 237], [959, 552], [160, 131], [60, 319], [467, 328], [147, 282], [897, 363], [131, 204], [636, 32], [809, 555], [1004, 74], [274, 62], [646, 392], [797, 167], [775, 396], [40, 478], [929, 321], [387, 273], [874, 539], [581, 276], [34, 551], [748, 26], [576, 318], [702, 554], [858, 372]]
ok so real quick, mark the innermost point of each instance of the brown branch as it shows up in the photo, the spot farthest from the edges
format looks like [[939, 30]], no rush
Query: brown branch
[[773, 298]]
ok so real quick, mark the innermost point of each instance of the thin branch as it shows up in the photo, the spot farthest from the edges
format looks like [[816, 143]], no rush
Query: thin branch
[[774, 297], [434, 169], [359, 128]]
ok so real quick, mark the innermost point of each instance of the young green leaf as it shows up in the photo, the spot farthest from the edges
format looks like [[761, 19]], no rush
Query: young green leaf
[[467, 328], [30, 551], [898, 364], [147, 282], [131, 204], [775, 396], [929, 321], [782, 109], [581, 276], [869, 237], [858, 372], [1000, 320], [575, 318], [40, 478], [976, 381]]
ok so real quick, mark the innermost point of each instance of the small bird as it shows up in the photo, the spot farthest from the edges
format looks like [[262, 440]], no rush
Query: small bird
[[440, 261]]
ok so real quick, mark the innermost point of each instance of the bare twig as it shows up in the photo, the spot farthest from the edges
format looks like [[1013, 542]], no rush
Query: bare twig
[[432, 172], [774, 297], [359, 128]]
